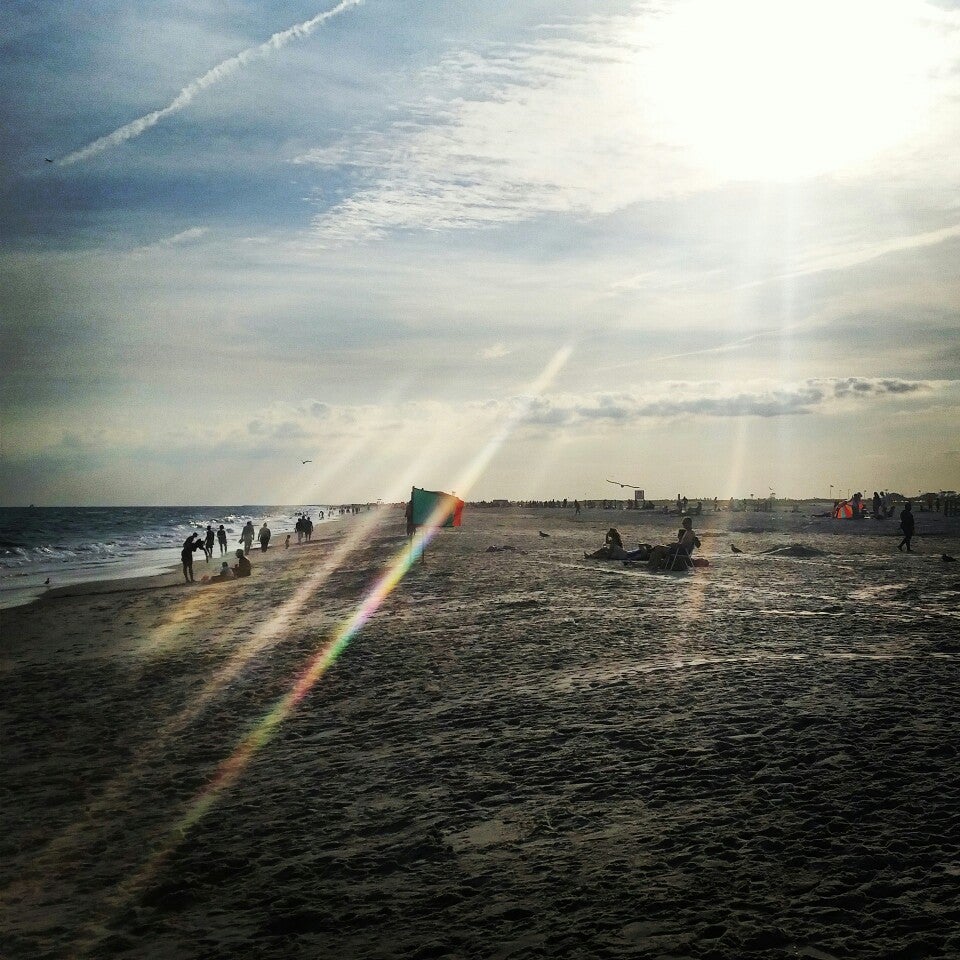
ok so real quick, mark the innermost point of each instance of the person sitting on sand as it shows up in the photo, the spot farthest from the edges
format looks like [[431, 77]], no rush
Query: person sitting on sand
[[225, 573], [677, 555], [243, 567], [612, 548]]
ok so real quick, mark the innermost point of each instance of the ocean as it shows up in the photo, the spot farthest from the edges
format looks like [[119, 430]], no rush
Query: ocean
[[76, 544]]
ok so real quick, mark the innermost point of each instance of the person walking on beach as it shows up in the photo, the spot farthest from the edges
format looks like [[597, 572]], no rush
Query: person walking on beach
[[247, 535], [299, 529], [308, 527], [208, 543], [576, 508], [222, 540], [264, 537], [906, 525]]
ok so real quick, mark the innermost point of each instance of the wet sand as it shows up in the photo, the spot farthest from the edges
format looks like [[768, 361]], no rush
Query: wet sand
[[522, 753]]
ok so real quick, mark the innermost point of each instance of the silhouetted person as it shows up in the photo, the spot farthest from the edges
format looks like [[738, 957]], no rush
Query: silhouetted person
[[208, 543], [906, 525], [242, 568], [193, 542], [264, 536], [222, 540], [247, 535]]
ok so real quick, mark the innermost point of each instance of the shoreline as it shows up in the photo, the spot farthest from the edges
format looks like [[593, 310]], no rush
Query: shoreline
[[171, 573], [708, 524]]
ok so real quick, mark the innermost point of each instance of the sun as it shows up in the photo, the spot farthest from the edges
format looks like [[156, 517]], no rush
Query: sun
[[765, 89]]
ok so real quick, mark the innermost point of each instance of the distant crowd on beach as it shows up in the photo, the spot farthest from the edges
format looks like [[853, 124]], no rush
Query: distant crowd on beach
[[242, 568]]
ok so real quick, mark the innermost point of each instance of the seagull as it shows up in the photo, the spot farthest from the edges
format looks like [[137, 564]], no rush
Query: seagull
[[617, 483], [542, 534], [946, 558], [48, 160], [46, 582], [306, 461], [735, 549]]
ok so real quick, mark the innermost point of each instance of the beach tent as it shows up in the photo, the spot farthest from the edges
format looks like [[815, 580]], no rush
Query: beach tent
[[843, 510], [434, 506]]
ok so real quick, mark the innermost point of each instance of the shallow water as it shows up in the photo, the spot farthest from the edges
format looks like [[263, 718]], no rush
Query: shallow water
[[70, 545]]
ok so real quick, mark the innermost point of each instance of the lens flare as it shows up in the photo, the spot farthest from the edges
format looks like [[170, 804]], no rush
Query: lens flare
[[230, 770]]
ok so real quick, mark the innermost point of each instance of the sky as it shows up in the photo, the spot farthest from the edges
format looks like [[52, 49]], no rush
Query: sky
[[512, 249]]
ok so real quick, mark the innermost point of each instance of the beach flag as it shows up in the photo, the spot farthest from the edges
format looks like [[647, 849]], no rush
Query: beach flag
[[434, 506]]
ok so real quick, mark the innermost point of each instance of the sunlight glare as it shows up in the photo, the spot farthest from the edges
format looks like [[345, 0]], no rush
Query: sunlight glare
[[762, 89]]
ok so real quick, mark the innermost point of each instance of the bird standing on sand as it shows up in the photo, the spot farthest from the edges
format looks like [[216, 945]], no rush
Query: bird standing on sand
[[542, 534], [735, 549], [946, 558]]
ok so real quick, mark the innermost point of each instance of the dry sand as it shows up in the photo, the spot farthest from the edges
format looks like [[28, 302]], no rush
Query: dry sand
[[522, 753]]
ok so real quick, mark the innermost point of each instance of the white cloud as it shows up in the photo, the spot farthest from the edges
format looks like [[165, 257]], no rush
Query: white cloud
[[185, 236], [577, 122], [497, 142], [495, 352]]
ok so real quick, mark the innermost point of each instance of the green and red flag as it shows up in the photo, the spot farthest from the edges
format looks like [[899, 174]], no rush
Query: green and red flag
[[435, 507]]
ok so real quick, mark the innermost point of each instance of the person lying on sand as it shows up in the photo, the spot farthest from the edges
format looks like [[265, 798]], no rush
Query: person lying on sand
[[677, 555], [242, 568]]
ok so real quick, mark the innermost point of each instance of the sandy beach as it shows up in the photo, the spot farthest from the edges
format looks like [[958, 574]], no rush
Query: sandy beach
[[518, 753]]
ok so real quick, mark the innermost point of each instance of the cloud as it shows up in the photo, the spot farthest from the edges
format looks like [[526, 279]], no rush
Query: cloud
[[492, 141], [495, 352], [213, 76], [185, 237], [578, 123], [854, 254], [678, 399]]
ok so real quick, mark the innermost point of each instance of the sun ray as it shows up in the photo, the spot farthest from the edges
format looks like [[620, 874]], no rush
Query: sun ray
[[231, 769]]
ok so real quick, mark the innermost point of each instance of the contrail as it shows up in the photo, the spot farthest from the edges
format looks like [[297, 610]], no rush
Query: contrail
[[222, 70]]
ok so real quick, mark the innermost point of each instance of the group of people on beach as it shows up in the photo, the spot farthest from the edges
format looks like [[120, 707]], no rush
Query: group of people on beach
[[679, 555], [195, 543], [673, 556], [304, 527], [242, 568]]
